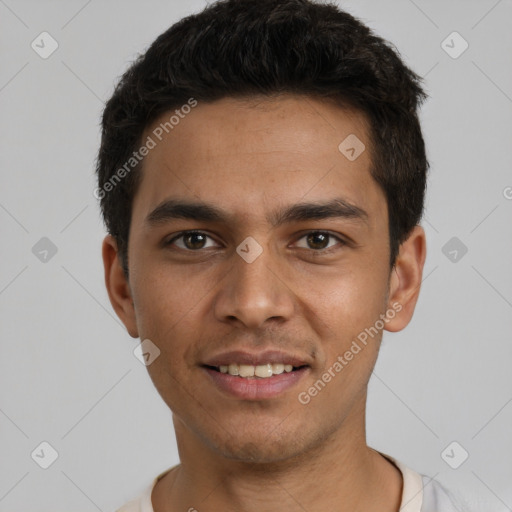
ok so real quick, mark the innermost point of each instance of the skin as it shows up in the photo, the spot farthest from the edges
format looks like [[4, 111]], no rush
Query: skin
[[252, 158]]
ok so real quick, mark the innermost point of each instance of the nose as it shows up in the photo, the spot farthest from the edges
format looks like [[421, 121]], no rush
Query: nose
[[252, 294]]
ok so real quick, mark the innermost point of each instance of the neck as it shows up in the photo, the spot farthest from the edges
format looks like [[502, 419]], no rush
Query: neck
[[341, 473]]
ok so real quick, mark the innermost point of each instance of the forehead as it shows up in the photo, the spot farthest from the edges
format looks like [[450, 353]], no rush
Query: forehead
[[249, 153]]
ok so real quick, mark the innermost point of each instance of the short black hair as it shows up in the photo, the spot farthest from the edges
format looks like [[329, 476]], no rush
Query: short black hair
[[247, 48]]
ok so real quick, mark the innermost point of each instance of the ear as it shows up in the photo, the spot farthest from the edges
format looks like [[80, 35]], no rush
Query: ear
[[118, 287], [405, 279]]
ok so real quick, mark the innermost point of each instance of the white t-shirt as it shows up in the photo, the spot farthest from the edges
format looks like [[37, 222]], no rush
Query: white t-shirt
[[419, 494]]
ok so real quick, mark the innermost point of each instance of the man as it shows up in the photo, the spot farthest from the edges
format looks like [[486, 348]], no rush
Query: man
[[262, 174]]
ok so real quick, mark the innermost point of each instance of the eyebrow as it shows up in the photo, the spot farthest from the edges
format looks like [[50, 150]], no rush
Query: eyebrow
[[172, 209]]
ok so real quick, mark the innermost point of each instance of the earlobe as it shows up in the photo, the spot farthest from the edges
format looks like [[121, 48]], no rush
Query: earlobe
[[118, 287], [405, 279]]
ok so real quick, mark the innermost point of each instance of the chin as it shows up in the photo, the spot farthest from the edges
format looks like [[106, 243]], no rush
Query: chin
[[259, 452], [266, 446]]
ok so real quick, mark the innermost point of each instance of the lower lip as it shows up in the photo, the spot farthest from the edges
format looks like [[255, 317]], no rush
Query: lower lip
[[256, 388]]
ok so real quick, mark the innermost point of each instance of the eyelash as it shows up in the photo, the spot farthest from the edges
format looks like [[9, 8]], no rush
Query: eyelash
[[314, 251]]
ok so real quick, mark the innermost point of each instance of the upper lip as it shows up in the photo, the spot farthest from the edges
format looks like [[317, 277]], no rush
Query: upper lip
[[255, 358]]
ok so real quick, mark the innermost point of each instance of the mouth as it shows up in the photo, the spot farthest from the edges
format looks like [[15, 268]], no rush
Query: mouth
[[260, 376], [261, 371]]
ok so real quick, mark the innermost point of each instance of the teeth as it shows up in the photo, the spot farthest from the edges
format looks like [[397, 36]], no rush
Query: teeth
[[245, 370], [263, 371], [277, 368]]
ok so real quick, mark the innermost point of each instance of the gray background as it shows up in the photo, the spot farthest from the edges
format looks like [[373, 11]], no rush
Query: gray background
[[68, 373]]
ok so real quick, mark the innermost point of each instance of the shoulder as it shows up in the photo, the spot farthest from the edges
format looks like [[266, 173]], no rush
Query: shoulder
[[438, 499], [143, 503], [423, 494], [132, 506]]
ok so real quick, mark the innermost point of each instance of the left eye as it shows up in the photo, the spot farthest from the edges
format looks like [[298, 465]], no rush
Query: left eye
[[319, 240], [192, 241]]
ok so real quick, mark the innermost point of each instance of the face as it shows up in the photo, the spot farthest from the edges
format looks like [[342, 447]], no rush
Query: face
[[255, 241]]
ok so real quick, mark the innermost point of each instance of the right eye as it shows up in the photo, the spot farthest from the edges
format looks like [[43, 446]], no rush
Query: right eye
[[190, 241]]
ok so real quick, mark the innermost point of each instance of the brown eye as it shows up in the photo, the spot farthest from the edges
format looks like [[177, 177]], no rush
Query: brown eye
[[319, 241], [194, 240], [191, 241]]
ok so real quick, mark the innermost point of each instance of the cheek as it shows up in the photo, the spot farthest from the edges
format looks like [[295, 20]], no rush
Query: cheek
[[167, 305], [347, 301], [170, 310], [345, 316], [165, 299]]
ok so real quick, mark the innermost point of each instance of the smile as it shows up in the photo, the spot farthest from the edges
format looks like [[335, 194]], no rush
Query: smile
[[261, 371], [255, 382]]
